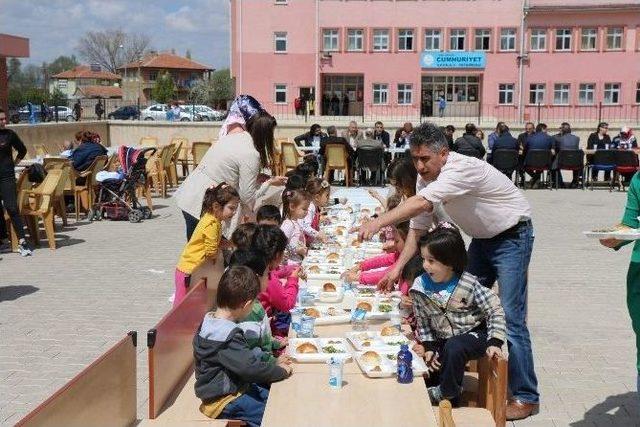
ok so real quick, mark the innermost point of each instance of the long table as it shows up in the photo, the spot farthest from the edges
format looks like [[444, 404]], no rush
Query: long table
[[305, 399]]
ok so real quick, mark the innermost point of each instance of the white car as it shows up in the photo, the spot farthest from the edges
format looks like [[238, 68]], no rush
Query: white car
[[204, 112], [159, 112], [64, 113]]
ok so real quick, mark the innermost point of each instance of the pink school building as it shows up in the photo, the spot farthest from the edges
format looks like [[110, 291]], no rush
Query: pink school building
[[510, 59]]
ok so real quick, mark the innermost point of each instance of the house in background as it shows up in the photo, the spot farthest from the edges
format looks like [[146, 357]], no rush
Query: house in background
[[86, 81], [139, 77]]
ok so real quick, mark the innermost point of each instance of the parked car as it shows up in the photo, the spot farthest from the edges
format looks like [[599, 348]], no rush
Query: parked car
[[154, 112], [209, 114], [23, 114], [64, 113], [126, 112]]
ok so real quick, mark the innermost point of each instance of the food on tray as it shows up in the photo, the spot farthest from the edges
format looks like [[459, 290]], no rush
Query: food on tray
[[355, 244], [396, 342], [366, 343], [366, 291], [385, 308], [307, 347], [332, 311], [340, 230], [365, 211], [313, 312], [392, 356], [329, 287], [334, 342], [314, 269], [362, 336], [376, 368], [333, 257], [332, 349], [363, 305], [389, 331], [371, 358]]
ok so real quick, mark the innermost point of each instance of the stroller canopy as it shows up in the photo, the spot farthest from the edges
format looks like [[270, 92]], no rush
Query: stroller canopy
[[128, 156]]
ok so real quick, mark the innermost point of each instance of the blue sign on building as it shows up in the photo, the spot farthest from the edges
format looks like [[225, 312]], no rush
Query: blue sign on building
[[453, 60]]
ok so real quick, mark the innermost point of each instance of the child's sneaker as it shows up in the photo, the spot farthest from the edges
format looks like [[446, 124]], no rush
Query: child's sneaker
[[435, 395], [24, 249]]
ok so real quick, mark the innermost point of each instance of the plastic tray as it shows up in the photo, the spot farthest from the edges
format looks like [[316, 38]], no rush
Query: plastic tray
[[376, 313], [320, 343], [341, 316], [388, 365], [624, 234], [375, 340]]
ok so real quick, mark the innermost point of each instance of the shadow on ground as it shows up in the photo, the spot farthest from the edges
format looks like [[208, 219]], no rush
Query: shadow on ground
[[617, 410], [12, 293]]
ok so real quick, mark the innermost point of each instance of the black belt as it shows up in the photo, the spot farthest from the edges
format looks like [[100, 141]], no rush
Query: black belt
[[509, 231]]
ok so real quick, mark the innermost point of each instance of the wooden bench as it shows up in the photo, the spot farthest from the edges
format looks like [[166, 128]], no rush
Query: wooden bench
[[172, 399], [103, 394]]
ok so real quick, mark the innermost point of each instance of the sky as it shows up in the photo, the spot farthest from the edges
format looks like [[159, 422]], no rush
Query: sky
[[54, 26]]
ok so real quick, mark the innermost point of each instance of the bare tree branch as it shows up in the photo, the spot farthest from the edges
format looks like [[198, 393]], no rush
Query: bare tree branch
[[103, 47]]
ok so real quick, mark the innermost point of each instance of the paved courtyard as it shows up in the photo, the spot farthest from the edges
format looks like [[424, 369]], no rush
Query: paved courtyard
[[60, 309]]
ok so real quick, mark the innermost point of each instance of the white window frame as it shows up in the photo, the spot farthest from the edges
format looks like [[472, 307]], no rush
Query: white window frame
[[614, 34], [540, 37], [354, 35], [279, 88], [433, 39], [480, 35], [590, 36], [405, 93], [457, 34], [381, 40], [508, 39], [381, 90], [561, 94], [507, 92], [333, 36], [611, 91], [404, 35], [280, 36], [538, 91], [563, 34], [586, 94]]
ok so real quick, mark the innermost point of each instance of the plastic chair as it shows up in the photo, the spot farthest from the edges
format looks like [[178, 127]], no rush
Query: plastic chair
[[156, 172], [22, 183], [626, 163], [148, 141], [290, 157], [603, 160], [198, 150], [372, 159], [40, 150], [538, 161], [337, 158], [569, 160], [506, 161], [84, 193], [39, 202], [173, 167]]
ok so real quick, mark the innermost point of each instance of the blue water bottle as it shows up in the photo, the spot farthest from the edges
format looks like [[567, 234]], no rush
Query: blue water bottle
[[405, 369]]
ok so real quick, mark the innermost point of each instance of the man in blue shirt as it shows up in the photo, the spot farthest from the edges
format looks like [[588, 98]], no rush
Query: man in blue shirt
[[504, 141], [540, 140]]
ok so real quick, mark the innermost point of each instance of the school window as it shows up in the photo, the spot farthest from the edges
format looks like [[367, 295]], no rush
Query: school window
[[281, 1], [380, 40], [280, 41], [404, 93], [483, 39], [536, 93], [563, 39], [355, 40], [538, 39], [561, 94], [405, 40], [612, 93], [508, 39], [330, 40], [505, 93], [432, 39], [280, 93], [588, 39], [380, 93], [614, 38], [456, 39], [638, 93], [586, 93]]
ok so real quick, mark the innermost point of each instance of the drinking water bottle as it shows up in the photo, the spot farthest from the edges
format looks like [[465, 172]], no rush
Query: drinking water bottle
[[405, 369]]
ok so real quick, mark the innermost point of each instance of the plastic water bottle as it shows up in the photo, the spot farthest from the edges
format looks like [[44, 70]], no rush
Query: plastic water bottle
[[296, 319], [405, 369], [335, 372]]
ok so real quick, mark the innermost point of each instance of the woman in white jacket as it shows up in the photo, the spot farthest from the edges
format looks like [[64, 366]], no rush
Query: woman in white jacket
[[245, 147]]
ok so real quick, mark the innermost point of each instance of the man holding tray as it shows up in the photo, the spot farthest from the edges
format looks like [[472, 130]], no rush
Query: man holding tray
[[487, 206]]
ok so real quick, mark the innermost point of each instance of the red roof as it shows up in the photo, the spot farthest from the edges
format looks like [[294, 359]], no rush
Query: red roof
[[166, 60], [100, 91], [84, 72]]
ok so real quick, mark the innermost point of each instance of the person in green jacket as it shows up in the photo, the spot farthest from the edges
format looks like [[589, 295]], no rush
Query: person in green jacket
[[630, 219]]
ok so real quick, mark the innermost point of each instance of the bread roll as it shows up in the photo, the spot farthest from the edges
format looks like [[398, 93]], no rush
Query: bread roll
[[370, 358], [329, 287], [363, 305], [307, 347], [312, 312], [314, 269], [389, 330]]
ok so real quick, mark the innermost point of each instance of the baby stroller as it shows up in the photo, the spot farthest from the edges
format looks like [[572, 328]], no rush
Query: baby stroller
[[117, 198]]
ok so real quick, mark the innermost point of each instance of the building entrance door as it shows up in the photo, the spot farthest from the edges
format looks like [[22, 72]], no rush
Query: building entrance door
[[308, 98], [342, 95], [461, 94]]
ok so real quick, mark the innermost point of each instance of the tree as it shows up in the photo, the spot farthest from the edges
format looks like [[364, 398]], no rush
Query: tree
[[62, 63], [214, 91], [13, 69], [103, 47], [164, 89]]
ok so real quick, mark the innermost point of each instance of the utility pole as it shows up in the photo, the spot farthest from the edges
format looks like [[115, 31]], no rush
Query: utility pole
[[522, 57]]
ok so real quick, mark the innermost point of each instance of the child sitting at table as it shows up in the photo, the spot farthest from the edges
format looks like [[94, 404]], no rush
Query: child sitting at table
[[370, 271], [269, 215], [279, 298], [243, 235], [295, 204], [319, 190], [256, 326], [227, 371], [458, 319], [219, 204]]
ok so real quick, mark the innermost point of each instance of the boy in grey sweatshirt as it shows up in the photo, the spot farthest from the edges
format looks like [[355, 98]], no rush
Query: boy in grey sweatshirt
[[227, 371]]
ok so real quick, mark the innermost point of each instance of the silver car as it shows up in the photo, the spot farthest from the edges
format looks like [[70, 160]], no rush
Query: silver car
[[159, 112]]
